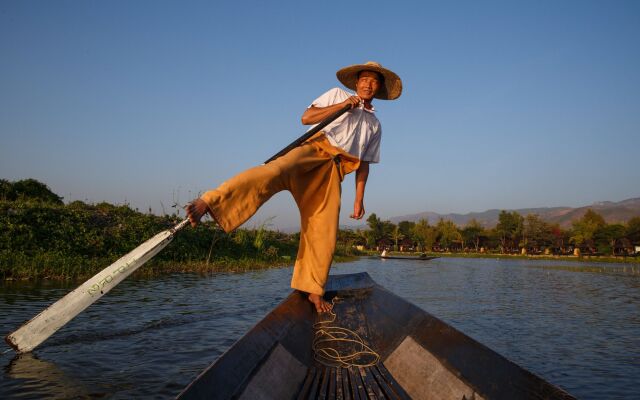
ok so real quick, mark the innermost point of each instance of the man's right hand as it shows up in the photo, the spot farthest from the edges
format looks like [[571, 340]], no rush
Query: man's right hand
[[196, 210], [354, 101]]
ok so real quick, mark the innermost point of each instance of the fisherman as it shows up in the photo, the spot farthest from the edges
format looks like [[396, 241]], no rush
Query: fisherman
[[313, 173]]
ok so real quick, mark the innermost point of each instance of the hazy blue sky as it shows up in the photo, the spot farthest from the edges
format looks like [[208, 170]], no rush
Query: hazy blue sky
[[506, 104]]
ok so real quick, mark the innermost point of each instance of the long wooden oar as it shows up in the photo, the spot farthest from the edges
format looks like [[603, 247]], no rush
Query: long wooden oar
[[310, 133], [39, 328], [45, 324]]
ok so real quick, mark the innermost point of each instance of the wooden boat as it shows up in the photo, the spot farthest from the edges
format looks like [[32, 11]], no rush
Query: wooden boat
[[420, 356], [416, 258]]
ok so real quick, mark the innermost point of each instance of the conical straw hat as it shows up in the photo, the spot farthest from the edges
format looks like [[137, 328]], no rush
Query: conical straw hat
[[390, 89]]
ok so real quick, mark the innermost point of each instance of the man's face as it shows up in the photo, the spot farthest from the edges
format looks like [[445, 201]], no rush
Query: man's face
[[367, 85]]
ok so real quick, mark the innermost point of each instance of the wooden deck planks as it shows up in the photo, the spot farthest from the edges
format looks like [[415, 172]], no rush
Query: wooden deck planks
[[370, 383], [324, 387], [372, 391], [356, 384], [339, 385], [391, 388], [346, 384]]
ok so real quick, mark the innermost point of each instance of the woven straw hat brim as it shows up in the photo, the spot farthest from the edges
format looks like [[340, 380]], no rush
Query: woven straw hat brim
[[390, 90]]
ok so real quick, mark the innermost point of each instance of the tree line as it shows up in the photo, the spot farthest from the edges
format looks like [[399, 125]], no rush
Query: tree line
[[514, 233], [41, 236]]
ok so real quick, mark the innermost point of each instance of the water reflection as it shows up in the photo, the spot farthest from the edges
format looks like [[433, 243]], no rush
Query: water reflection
[[149, 338], [42, 379]]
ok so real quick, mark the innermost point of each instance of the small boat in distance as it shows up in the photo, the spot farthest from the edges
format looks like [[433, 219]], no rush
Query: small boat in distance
[[421, 257], [417, 356]]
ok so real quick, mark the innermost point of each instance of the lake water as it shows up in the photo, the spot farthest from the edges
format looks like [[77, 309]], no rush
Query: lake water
[[149, 338]]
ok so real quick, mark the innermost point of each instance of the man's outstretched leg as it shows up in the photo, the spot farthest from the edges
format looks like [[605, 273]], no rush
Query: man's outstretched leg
[[236, 200], [312, 177]]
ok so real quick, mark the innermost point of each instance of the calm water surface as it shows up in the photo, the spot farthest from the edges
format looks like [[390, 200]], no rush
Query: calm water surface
[[150, 338]]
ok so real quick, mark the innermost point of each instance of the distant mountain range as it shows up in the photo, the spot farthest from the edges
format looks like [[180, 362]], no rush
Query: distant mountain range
[[612, 212]]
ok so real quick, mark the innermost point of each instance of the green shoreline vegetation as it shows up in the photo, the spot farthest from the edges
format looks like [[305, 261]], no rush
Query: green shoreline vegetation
[[43, 238]]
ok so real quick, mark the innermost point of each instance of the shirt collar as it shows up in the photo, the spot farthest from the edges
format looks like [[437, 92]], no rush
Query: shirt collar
[[372, 110]]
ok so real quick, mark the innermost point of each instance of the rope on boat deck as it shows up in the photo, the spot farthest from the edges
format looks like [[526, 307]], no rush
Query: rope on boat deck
[[328, 345]]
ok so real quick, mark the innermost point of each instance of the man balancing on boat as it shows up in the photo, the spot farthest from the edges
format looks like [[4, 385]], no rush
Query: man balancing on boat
[[313, 173]]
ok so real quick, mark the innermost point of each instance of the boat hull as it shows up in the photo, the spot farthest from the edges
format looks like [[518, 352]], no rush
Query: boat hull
[[407, 258], [421, 357]]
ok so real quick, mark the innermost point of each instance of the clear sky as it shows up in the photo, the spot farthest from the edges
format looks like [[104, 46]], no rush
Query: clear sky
[[506, 104]]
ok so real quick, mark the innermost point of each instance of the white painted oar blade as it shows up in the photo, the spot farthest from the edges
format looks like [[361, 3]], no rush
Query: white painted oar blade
[[45, 324]]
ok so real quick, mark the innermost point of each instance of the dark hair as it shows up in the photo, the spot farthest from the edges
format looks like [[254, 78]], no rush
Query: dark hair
[[380, 76]]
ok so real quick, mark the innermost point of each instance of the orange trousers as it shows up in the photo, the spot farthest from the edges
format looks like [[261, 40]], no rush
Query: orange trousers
[[313, 173]]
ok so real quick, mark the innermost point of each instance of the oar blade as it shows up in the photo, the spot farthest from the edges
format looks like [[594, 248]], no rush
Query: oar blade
[[39, 328]]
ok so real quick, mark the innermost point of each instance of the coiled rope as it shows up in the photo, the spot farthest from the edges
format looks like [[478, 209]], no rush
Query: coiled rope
[[335, 346]]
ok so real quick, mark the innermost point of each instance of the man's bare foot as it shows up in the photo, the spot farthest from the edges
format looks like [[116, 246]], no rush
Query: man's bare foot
[[320, 303], [196, 210]]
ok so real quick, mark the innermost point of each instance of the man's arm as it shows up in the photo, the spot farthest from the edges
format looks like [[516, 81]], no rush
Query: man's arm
[[314, 115], [362, 173]]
